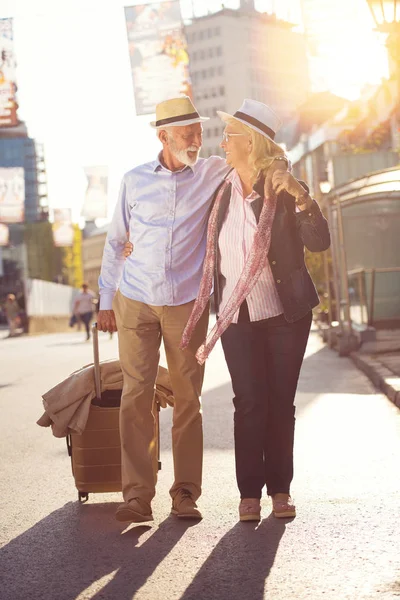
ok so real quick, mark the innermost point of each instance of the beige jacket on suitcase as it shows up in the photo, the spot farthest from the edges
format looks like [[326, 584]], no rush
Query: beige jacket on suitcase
[[67, 404]]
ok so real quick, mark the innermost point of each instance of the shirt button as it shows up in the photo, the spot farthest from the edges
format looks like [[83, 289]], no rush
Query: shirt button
[[274, 262], [278, 281], [310, 214]]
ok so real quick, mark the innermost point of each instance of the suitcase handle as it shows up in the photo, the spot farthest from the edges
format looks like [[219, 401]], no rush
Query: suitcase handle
[[97, 384], [96, 361]]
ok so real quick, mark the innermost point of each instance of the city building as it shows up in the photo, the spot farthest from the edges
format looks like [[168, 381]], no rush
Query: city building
[[356, 140], [17, 149], [237, 54]]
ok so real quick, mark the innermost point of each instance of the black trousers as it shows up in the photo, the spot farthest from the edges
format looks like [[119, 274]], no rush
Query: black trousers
[[264, 360], [86, 318]]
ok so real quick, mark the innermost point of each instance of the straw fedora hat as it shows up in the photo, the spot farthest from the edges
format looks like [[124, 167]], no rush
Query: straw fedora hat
[[176, 112], [256, 115]]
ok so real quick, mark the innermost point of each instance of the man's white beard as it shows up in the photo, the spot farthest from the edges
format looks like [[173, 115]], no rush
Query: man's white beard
[[183, 156]]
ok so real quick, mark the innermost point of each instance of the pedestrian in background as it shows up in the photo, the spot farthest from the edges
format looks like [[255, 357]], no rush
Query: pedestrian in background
[[263, 295], [12, 309], [84, 305]]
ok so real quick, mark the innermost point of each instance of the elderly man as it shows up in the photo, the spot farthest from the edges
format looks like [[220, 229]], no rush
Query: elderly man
[[164, 206]]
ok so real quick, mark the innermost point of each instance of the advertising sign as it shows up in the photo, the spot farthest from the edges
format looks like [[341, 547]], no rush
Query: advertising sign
[[63, 230], [95, 203], [8, 85], [4, 235], [12, 194], [62, 214], [158, 54]]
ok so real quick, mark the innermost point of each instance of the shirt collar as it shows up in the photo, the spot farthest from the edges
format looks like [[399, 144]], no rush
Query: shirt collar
[[234, 179], [158, 165]]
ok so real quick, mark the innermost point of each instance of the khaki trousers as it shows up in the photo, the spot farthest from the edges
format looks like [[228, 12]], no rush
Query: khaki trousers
[[140, 330]]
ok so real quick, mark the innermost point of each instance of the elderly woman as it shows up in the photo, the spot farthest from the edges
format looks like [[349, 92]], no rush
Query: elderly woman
[[263, 296]]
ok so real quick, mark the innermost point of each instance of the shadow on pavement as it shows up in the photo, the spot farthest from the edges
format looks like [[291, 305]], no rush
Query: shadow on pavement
[[77, 545], [240, 564]]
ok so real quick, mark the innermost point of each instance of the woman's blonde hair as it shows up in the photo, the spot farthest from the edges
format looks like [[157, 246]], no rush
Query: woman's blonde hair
[[263, 151]]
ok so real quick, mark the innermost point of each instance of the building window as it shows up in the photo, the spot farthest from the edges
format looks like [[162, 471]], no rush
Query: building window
[[220, 70], [201, 35], [222, 90], [211, 52], [202, 54], [217, 31], [219, 50], [211, 72]]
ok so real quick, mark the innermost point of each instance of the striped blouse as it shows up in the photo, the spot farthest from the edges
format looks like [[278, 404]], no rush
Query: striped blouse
[[235, 241]]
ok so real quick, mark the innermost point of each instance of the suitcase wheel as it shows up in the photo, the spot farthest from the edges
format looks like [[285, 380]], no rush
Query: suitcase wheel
[[83, 497]]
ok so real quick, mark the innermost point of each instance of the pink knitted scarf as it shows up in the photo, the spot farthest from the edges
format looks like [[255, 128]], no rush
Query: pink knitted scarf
[[255, 263]]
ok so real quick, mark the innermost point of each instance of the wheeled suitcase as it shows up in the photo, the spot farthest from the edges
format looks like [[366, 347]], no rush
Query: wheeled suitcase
[[96, 453]]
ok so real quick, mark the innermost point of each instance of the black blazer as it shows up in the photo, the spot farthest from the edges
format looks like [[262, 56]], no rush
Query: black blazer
[[291, 231]]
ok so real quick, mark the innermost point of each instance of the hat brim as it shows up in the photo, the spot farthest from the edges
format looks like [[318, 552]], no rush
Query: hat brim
[[226, 116], [179, 123]]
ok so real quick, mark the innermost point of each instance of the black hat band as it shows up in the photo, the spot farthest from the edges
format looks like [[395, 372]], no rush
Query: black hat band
[[188, 117], [241, 115]]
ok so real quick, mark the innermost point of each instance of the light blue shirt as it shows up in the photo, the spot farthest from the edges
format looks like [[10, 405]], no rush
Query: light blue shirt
[[166, 213]]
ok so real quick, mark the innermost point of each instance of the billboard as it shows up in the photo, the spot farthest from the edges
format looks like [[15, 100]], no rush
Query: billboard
[[63, 230], [62, 214], [158, 54], [12, 194], [95, 203], [8, 85], [4, 235]]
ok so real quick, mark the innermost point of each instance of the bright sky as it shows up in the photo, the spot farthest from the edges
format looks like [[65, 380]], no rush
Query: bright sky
[[75, 89]]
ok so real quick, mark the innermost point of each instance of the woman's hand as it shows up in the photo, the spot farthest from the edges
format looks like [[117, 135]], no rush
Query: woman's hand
[[284, 181], [278, 166], [128, 249]]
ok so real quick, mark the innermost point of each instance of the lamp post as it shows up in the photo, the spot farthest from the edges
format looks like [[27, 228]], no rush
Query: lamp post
[[386, 15]]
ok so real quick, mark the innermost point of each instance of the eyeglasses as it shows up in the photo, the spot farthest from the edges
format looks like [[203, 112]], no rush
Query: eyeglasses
[[226, 136]]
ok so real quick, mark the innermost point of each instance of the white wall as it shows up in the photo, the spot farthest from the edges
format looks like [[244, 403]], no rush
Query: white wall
[[44, 298]]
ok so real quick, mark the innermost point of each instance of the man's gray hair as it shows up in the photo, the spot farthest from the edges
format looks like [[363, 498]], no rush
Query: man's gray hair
[[168, 129]]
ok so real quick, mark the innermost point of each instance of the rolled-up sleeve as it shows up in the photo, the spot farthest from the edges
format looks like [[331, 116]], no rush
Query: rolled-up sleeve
[[113, 261], [313, 228]]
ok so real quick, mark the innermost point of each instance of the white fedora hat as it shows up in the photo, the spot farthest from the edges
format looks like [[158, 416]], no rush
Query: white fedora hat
[[256, 115], [176, 112]]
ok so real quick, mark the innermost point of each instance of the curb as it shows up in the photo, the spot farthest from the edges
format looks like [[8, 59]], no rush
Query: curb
[[383, 379]]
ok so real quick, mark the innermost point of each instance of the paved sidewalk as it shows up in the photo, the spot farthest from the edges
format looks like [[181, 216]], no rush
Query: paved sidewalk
[[380, 361], [343, 544]]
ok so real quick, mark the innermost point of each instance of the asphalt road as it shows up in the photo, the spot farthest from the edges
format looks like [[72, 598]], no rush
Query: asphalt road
[[344, 543]]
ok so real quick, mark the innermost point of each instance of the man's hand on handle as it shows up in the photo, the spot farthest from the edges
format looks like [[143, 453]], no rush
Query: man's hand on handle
[[106, 321]]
